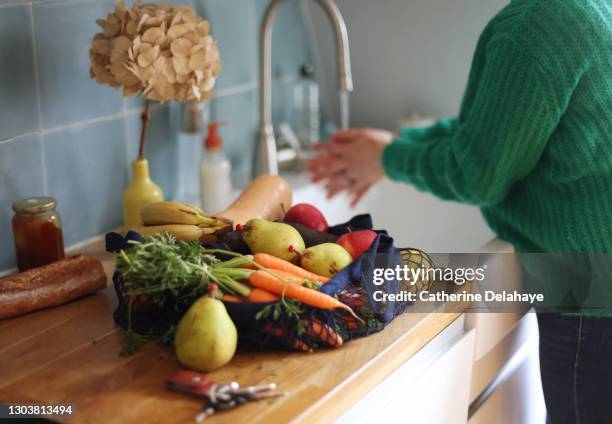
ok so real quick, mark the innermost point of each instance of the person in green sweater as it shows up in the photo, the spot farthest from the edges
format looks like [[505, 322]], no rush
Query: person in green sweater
[[532, 147]]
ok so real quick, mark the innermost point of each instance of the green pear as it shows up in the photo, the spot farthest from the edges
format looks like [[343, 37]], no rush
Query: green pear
[[325, 259], [206, 337], [274, 238]]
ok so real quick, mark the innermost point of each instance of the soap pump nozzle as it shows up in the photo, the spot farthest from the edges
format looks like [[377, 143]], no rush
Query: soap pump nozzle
[[213, 140]]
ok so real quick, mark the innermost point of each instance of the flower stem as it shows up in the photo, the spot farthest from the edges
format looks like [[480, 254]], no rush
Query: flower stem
[[146, 116]]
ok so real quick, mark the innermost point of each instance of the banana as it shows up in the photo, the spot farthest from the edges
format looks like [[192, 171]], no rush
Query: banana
[[182, 232], [163, 213], [209, 230]]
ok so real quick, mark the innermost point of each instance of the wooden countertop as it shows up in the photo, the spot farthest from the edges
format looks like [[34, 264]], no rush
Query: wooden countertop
[[70, 355]]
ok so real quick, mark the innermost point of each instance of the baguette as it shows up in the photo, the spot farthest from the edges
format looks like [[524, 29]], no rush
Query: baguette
[[50, 285]]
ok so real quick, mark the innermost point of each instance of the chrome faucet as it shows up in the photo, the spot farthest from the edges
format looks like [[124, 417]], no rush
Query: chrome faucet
[[267, 161]]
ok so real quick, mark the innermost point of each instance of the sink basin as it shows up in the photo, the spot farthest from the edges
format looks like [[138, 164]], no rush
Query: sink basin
[[413, 218]]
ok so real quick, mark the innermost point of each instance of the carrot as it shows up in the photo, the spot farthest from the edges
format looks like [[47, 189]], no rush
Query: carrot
[[287, 276], [293, 342], [263, 280], [324, 333], [351, 323], [231, 298], [261, 295], [355, 299], [275, 263]]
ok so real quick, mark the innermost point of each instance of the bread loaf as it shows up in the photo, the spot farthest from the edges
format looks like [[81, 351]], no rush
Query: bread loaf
[[50, 285]]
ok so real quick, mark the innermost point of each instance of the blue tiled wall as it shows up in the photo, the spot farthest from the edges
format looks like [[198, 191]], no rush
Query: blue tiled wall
[[65, 136]]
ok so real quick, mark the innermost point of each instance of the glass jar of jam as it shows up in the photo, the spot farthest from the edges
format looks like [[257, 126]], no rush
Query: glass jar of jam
[[37, 230]]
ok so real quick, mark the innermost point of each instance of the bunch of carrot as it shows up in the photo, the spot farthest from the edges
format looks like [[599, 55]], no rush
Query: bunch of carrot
[[272, 279]]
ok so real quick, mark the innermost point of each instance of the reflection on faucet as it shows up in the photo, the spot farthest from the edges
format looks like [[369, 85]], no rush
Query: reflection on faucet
[[267, 160]]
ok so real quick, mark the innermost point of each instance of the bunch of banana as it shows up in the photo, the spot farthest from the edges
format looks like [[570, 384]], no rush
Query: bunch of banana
[[186, 222]]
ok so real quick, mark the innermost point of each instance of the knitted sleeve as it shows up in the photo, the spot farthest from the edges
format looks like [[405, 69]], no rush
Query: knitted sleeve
[[515, 108], [443, 127]]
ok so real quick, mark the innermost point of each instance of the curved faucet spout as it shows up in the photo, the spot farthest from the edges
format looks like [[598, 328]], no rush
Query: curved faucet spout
[[345, 76], [267, 162]]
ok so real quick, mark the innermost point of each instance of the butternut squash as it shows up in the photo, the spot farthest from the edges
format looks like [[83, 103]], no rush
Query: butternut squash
[[267, 197]]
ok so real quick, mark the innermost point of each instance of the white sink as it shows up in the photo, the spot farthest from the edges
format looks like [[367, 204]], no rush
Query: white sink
[[413, 218]]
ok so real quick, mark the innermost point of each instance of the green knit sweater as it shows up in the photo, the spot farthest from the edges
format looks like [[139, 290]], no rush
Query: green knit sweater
[[532, 145]]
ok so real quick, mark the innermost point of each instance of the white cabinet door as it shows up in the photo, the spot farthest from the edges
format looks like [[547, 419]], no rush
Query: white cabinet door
[[517, 400], [431, 388], [488, 367]]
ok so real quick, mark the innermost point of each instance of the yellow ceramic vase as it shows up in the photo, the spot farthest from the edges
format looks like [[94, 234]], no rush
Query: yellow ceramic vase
[[139, 193]]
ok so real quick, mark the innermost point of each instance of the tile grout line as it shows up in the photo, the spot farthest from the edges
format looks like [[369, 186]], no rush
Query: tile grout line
[[14, 4], [84, 122], [38, 106], [104, 118], [78, 124], [64, 2], [226, 92], [73, 249], [8, 271], [17, 137], [125, 132], [236, 89]]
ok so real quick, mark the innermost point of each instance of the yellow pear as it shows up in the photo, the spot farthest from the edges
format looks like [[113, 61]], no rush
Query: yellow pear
[[325, 259], [274, 238], [206, 337]]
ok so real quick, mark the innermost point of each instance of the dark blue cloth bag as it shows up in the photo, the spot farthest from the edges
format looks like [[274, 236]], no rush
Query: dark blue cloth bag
[[354, 286]]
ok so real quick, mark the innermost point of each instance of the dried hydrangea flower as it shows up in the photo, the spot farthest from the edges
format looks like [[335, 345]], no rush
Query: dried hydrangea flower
[[156, 50]]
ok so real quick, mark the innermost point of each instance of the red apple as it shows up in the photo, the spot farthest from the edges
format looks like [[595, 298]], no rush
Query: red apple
[[307, 215], [357, 242]]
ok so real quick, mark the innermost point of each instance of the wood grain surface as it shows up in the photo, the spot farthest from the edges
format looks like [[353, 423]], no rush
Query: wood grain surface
[[70, 355]]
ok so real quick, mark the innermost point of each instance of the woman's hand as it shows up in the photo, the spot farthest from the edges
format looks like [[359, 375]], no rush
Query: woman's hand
[[351, 162]]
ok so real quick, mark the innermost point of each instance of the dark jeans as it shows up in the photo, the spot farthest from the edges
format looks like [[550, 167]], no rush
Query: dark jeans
[[576, 368]]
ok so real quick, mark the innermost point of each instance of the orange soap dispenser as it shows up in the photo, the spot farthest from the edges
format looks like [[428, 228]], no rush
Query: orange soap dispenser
[[215, 173]]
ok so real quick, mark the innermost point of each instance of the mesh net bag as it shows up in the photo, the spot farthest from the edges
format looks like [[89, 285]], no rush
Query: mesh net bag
[[287, 324]]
